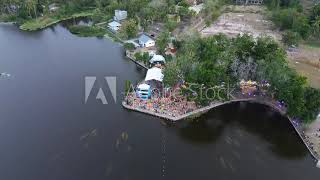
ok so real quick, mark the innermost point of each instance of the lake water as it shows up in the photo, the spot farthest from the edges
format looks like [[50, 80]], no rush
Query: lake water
[[47, 131]]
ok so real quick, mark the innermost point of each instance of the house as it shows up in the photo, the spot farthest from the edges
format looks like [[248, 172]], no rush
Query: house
[[120, 15], [114, 26], [146, 41], [157, 59], [53, 7]]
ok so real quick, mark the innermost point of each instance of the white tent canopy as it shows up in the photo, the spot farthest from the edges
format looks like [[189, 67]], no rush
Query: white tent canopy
[[144, 87], [157, 58], [154, 74]]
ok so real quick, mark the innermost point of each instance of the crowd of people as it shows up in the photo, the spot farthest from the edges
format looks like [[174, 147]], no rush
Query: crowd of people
[[173, 106]]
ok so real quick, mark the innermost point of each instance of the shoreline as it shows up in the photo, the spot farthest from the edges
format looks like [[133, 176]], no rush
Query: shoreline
[[196, 113], [35, 24]]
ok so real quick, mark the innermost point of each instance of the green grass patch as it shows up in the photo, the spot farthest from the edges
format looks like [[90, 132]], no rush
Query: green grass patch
[[8, 18], [313, 43], [87, 31], [46, 21]]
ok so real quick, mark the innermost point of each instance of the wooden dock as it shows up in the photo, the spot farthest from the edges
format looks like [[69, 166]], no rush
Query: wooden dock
[[135, 61]]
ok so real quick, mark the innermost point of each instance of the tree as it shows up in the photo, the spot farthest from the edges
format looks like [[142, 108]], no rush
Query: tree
[[171, 74], [312, 103], [129, 46], [291, 19], [316, 27], [291, 38], [162, 41], [171, 25], [142, 57], [129, 29], [31, 6]]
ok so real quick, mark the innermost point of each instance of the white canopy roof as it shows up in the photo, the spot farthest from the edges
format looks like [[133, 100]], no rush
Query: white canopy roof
[[154, 74], [157, 58], [144, 86]]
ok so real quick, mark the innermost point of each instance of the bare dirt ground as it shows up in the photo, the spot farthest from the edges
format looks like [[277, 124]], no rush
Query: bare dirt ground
[[306, 60], [241, 20], [252, 20]]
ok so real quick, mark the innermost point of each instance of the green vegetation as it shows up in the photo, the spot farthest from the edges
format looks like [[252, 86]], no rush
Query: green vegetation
[[289, 15], [142, 57], [291, 38], [129, 29], [171, 74], [129, 46], [46, 21], [217, 60], [212, 10], [87, 31], [162, 41]]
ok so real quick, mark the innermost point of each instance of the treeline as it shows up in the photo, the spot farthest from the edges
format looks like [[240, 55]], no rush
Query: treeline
[[146, 11], [289, 16], [218, 60]]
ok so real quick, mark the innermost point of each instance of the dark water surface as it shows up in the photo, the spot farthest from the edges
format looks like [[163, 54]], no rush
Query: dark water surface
[[48, 132]]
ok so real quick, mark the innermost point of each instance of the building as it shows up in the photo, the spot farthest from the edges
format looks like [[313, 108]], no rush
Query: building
[[249, 2], [114, 26], [143, 91], [157, 59], [146, 41], [120, 15]]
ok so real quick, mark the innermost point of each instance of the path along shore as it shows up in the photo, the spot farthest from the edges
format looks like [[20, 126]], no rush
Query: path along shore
[[297, 125]]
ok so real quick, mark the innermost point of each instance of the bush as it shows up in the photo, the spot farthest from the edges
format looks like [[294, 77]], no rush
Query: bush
[[129, 46], [291, 19], [312, 103], [129, 29], [142, 57], [87, 31], [171, 25], [291, 38]]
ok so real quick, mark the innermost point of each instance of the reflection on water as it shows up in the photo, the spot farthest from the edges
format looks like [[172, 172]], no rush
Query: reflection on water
[[255, 119]]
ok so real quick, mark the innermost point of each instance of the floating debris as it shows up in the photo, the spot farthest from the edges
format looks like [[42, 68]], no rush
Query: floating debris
[[122, 139], [5, 74], [223, 162], [92, 133], [124, 136]]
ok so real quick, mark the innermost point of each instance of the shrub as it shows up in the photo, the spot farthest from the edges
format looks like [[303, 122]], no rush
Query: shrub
[[291, 38], [87, 31], [129, 46]]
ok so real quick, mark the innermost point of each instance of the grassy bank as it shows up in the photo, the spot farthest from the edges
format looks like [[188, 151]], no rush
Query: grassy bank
[[87, 31], [46, 21]]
